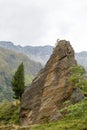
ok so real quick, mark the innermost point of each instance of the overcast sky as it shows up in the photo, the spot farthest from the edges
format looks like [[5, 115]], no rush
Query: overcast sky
[[41, 22]]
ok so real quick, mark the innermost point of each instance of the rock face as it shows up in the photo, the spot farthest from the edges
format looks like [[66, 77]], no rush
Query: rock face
[[76, 95], [42, 100]]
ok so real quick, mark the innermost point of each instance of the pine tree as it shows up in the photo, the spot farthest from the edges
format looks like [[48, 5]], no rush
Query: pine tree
[[18, 84]]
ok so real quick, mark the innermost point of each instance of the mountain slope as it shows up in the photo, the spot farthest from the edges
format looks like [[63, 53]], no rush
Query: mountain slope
[[40, 54], [76, 118], [9, 61]]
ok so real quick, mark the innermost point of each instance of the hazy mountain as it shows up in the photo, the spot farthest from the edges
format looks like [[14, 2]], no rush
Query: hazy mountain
[[9, 61], [42, 53], [82, 58], [37, 53]]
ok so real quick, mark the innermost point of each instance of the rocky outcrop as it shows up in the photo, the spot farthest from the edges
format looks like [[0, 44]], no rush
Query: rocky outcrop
[[42, 100], [76, 95]]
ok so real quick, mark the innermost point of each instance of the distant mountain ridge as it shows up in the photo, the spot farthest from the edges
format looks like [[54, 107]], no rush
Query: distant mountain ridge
[[37, 53], [42, 53]]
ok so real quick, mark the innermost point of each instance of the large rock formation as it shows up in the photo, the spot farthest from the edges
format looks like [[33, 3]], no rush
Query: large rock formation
[[42, 100]]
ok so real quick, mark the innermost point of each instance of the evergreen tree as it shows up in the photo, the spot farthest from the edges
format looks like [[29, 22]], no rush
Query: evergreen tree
[[18, 84]]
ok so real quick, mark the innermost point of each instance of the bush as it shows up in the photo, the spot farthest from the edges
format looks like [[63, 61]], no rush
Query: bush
[[9, 113]]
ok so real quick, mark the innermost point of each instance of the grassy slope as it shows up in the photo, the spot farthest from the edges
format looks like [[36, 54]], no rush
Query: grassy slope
[[76, 119], [9, 61]]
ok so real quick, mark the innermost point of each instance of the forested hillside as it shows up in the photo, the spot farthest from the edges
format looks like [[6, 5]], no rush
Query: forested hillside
[[37, 53], [9, 61]]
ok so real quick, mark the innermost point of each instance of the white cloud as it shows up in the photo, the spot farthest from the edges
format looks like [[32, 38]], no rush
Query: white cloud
[[39, 22]]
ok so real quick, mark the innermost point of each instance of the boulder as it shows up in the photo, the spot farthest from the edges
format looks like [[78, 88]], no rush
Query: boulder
[[50, 88], [76, 95]]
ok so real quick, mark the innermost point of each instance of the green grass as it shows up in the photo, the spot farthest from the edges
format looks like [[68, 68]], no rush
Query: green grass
[[76, 119]]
